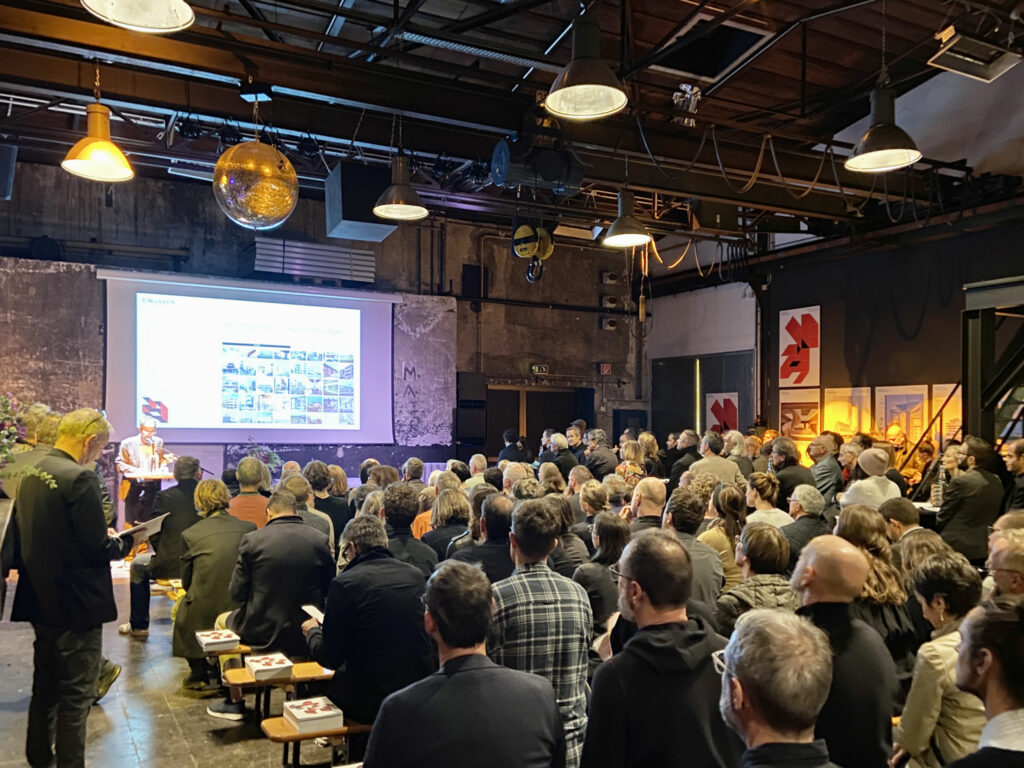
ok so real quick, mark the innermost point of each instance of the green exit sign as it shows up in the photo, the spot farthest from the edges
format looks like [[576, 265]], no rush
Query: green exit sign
[[539, 369]]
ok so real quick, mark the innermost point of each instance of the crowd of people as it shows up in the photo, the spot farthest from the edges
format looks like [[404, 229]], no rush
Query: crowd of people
[[714, 602]]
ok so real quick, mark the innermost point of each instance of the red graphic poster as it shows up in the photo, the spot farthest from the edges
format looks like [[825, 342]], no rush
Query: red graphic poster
[[800, 347], [722, 411]]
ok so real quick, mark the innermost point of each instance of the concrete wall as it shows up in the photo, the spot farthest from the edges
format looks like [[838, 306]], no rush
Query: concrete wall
[[703, 322]]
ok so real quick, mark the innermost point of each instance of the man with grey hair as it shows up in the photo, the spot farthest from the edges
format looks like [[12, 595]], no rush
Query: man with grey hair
[[300, 488], [689, 452], [776, 674], [827, 474], [477, 467], [412, 474], [249, 504], [512, 474], [600, 459], [726, 471], [574, 436], [178, 503], [805, 507], [785, 463], [373, 631], [140, 454], [62, 550], [563, 457]]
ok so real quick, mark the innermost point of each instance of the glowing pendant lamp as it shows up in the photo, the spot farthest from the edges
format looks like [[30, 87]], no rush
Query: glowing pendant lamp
[[96, 157], [885, 146], [586, 89], [156, 17], [399, 202], [626, 231]]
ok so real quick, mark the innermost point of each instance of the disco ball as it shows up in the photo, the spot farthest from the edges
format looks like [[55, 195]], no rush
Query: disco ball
[[255, 185]]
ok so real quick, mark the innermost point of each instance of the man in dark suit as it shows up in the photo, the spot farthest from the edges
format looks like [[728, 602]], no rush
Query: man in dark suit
[[62, 550], [373, 631], [574, 438], [970, 503], [562, 457], [281, 567], [600, 459], [785, 461], [401, 505], [472, 711], [1014, 458], [688, 448], [179, 506], [805, 507], [492, 553], [902, 521]]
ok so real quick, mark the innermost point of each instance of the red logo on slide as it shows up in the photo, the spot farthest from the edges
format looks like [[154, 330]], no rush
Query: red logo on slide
[[155, 409]]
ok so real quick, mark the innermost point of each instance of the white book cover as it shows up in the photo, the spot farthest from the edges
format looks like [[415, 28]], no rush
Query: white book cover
[[217, 640], [269, 666], [317, 714]]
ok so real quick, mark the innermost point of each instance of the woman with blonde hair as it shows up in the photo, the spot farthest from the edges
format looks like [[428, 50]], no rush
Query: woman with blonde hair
[[882, 603], [736, 451], [550, 478], [450, 518], [729, 511], [339, 482], [372, 504], [653, 465], [762, 495], [631, 468]]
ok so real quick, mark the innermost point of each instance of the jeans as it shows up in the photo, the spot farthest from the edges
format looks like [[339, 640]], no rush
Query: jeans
[[138, 591], [63, 689]]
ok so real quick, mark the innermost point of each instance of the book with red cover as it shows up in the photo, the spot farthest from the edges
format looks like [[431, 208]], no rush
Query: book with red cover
[[269, 666], [311, 715], [217, 640]]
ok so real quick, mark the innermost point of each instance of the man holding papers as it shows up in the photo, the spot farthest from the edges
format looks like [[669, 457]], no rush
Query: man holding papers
[[140, 454]]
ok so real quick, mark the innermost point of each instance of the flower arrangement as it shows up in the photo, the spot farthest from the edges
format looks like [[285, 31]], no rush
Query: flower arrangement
[[264, 454], [9, 429]]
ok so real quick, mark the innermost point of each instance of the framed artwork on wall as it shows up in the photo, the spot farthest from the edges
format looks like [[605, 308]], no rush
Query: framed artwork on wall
[[847, 410], [800, 347], [904, 407], [721, 411]]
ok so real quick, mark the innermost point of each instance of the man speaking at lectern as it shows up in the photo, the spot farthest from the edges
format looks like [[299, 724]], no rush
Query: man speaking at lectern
[[140, 454]]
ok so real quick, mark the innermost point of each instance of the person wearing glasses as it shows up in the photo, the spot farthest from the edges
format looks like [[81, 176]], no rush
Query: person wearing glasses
[[656, 702], [1006, 561], [776, 674]]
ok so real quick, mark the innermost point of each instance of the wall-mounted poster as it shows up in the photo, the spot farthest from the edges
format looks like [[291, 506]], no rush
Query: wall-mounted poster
[[799, 347], [947, 425], [903, 407], [848, 410], [799, 413], [721, 412]]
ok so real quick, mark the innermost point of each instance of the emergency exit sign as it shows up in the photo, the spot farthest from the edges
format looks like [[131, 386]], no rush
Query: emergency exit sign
[[605, 369]]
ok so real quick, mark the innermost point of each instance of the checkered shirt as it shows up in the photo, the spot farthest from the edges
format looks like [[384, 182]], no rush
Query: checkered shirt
[[542, 625]]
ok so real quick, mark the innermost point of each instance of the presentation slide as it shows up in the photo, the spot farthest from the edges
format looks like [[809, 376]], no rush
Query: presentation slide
[[226, 362]]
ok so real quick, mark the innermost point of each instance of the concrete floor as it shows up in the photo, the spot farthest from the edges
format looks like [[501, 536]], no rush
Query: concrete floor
[[146, 718]]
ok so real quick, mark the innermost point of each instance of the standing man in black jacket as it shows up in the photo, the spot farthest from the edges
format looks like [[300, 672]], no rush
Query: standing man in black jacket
[[656, 702], [373, 632], [856, 719], [970, 503], [178, 503], [63, 551], [401, 505], [492, 553]]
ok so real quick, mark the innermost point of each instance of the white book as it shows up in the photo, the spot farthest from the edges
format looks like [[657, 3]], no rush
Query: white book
[[217, 640], [312, 715], [269, 666]]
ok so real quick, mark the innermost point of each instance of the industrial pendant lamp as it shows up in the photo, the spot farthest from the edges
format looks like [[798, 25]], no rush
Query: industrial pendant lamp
[[96, 157], [586, 89], [399, 201], [626, 231], [885, 146], [157, 17]]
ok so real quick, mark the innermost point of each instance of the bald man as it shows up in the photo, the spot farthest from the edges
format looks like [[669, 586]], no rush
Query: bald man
[[513, 472], [647, 504], [855, 722]]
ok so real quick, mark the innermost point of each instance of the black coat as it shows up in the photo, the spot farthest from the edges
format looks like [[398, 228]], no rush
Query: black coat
[[438, 538], [565, 461], [281, 567], [970, 503], [687, 456], [789, 478], [492, 555], [409, 549], [801, 531], [179, 505], [471, 713], [62, 550], [512, 453], [602, 462], [336, 508], [856, 721], [1015, 494], [656, 703], [373, 633]]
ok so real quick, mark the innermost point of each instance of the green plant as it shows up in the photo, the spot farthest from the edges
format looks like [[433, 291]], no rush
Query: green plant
[[10, 433], [264, 454]]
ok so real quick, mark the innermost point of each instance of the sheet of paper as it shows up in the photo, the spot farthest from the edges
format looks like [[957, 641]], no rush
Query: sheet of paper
[[150, 527], [314, 612]]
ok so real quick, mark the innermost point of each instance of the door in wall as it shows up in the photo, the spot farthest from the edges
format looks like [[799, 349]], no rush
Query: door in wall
[[502, 414], [679, 386]]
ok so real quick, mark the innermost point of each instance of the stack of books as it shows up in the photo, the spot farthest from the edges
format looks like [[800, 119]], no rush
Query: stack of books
[[217, 640], [269, 666], [313, 715]]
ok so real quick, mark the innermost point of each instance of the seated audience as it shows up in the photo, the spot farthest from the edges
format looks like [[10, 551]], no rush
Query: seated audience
[[856, 719], [373, 504], [762, 496], [869, 486], [653, 465], [412, 473], [384, 475], [762, 554], [281, 567], [250, 504], [656, 702], [512, 474], [776, 674], [450, 519], [576, 552], [763, 461], [593, 500], [542, 621], [726, 471], [848, 453], [971, 502], [631, 468], [827, 474], [735, 450], [805, 507], [472, 535], [882, 603], [355, 498], [493, 477], [1006, 561], [373, 632], [610, 535], [1013, 456], [400, 507], [758, 461], [902, 521], [299, 487], [785, 461], [473, 712], [563, 458], [647, 505], [989, 666], [940, 723], [618, 492], [527, 488], [425, 503], [578, 475], [730, 515], [460, 469], [477, 467], [689, 452], [339, 482], [230, 480], [683, 515], [550, 478], [319, 478], [492, 553], [178, 503], [601, 460]]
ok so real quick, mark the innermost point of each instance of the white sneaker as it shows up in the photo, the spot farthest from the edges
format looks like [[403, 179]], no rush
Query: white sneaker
[[127, 629]]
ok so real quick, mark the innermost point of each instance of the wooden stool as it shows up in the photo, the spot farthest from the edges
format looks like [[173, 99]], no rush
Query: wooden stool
[[280, 731], [304, 672]]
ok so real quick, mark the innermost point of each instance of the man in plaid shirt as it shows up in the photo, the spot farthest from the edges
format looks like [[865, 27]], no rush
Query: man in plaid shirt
[[543, 621]]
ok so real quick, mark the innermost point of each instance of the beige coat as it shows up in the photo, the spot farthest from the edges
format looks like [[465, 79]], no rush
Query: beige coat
[[726, 471], [936, 710], [717, 539]]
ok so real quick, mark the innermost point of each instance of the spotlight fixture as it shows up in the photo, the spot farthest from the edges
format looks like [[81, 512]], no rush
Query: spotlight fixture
[[157, 17], [189, 129], [229, 135], [885, 146], [586, 89], [626, 231], [399, 201], [96, 157]]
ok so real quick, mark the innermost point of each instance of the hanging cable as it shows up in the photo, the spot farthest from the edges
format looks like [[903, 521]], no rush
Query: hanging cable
[[749, 184], [785, 184], [654, 160]]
